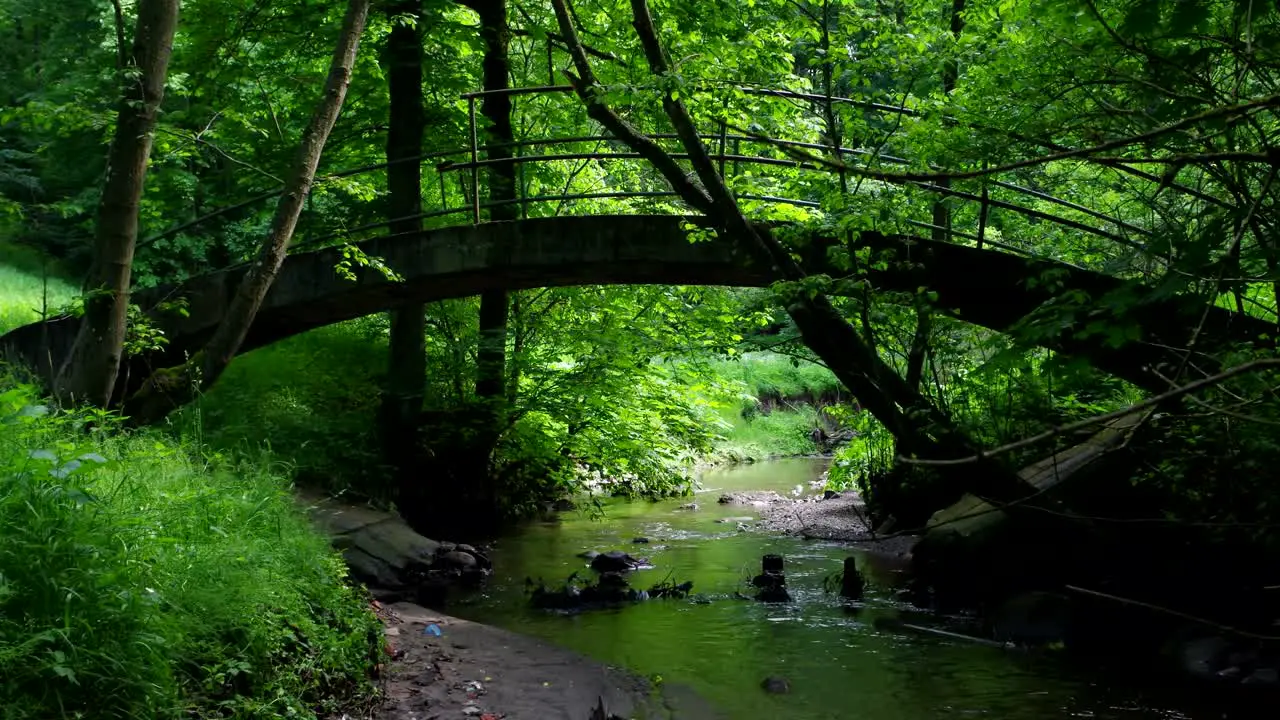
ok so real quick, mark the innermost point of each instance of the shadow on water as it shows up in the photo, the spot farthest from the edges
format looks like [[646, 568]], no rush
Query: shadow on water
[[841, 662]]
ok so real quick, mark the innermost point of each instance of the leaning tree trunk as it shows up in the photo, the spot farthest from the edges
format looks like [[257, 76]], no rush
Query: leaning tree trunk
[[170, 388], [89, 373], [920, 427]]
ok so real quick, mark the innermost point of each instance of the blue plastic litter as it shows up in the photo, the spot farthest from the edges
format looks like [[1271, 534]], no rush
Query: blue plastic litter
[[432, 629]]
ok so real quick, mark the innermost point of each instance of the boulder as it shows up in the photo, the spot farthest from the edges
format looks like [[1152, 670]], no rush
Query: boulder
[[370, 570], [394, 543], [614, 561], [459, 560]]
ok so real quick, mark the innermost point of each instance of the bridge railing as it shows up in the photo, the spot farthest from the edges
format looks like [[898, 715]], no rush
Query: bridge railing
[[466, 165]]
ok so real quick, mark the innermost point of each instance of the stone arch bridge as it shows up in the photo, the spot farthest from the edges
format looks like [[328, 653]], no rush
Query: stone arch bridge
[[986, 287]]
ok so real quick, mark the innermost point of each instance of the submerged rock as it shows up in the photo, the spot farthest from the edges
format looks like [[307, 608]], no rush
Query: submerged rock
[[775, 685]]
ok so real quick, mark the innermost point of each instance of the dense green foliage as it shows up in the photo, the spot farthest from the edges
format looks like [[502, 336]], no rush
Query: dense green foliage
[[1134, 138], [140, 578], [1164, 185]]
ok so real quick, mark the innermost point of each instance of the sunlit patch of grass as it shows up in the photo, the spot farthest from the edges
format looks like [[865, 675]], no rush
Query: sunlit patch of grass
[[781, 433], [30, 286]]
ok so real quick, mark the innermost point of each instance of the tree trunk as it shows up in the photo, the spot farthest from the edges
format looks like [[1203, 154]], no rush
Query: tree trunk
[[496, 109], [170, 388], [89, 373], [406, 371]]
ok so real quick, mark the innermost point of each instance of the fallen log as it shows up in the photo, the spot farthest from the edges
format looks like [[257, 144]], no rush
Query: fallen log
[[974, 549]]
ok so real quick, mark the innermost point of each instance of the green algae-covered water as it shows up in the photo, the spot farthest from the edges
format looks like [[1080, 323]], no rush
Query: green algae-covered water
[[839, 664]]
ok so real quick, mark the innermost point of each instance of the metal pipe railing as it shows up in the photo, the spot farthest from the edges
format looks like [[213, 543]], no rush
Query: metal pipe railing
[[723, 157]]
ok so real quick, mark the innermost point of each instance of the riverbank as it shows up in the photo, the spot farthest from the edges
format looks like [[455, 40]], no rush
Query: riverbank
[[471, 670], [822, 515]]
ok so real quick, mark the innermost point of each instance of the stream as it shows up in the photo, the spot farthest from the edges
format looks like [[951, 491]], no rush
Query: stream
[[839, 664]]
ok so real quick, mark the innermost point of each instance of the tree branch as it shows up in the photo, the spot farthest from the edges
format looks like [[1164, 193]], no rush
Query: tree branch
[[1242, 369], [1270, 101], [588, 89]]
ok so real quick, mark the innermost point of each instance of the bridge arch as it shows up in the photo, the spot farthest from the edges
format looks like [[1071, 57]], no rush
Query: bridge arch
[[982, 286]]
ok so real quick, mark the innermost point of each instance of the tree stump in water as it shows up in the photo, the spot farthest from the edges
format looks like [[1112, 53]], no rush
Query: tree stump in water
[[771, 582], [851, 583]]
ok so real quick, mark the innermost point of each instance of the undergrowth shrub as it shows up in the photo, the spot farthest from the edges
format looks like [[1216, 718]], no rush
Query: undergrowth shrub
[[139, 580], [773, 375]]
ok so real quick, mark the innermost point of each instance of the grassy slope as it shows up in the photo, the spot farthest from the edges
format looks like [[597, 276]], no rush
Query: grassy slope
[[142, 576], [313, 399], [782, 432]]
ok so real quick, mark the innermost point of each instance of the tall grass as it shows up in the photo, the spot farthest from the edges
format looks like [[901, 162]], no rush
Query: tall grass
[[781, 433], [32, 285], [141, 580], [736, 388], [766, 373]]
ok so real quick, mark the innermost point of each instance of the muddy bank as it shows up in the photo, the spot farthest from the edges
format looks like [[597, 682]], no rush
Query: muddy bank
[[840, 517], [480, 672]]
